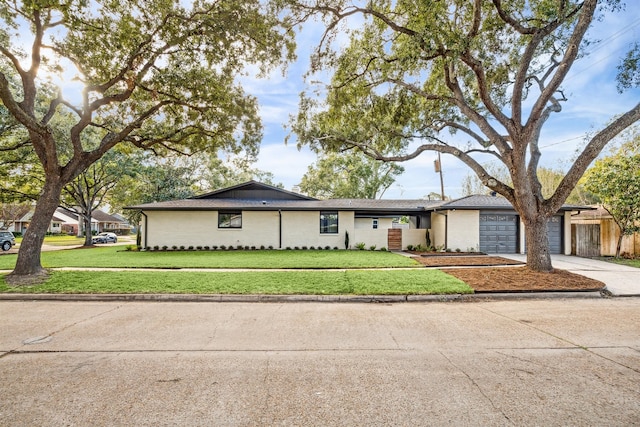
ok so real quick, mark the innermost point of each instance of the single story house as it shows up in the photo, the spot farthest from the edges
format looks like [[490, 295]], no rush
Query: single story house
[[490, 224], [21, 224], [100, 221], [255, 214]]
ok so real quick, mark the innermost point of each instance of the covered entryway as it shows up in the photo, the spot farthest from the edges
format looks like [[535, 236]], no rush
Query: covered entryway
[[499, 233]]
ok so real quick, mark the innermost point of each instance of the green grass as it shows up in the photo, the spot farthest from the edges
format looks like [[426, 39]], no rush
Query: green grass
[[117, 257], [350, 282], [624, 261]]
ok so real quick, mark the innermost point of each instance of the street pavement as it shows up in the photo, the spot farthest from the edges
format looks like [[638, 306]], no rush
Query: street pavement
[[621, 280], [484, 363]]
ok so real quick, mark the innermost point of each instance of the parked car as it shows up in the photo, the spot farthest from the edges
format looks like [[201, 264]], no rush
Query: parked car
[[105, 238], [7, 240]]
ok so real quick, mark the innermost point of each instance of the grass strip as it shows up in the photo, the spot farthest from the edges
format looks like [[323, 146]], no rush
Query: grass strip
[[117, 257], [372, 282]]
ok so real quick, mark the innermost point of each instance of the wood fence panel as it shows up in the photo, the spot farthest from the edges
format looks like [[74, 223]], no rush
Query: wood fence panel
[[585, 240]]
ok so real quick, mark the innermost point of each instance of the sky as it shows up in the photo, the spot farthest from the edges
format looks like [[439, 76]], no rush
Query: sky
[[590, 88]]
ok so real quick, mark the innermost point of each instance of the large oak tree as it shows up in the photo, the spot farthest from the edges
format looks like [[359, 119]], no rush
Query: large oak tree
[[489, 70], [154, 74]]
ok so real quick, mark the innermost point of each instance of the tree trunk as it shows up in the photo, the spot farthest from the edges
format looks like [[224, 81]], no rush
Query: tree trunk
[[619, 244], [88, 232], [28, 262], [537, 240]]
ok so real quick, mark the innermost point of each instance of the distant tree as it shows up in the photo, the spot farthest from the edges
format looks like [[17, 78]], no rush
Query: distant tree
[[219, 173], [351, 175], [615, 179], [88, 191]]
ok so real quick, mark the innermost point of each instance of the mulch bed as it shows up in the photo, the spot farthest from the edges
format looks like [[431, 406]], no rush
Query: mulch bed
[[464, 261], [497, 274]]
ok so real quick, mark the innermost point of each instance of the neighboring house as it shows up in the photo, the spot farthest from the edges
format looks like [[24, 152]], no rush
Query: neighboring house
[[100, 221], [595, 233], [255, 214], [111, 223], [21, 224]]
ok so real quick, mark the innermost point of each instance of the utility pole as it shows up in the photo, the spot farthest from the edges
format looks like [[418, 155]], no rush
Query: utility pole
[[438, 167]]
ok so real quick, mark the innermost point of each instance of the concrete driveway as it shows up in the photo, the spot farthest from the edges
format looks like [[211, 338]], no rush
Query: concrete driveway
[[621, 280], [529, 362]]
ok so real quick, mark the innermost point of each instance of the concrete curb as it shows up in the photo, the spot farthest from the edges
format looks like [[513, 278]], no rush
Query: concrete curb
[[297, 298]]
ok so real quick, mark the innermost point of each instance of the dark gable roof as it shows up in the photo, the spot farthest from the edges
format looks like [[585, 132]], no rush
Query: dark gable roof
[[253, 190], [256, 196]]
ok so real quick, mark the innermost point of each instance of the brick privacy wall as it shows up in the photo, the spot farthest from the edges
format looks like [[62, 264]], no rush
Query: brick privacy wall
[[394, 239]]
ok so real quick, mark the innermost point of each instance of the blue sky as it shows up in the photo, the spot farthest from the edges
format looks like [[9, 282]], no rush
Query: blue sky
[[590, 87]]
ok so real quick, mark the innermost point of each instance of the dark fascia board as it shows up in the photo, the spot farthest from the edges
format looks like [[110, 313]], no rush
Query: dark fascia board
[[381, 211], [252, 182]]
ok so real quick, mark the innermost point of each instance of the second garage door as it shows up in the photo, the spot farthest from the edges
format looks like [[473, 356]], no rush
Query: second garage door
[[498, 233]]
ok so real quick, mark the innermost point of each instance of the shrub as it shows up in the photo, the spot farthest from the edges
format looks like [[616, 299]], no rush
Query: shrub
[[164, 248], [458, 250], [288, 248], [270, 247], [360, 246], [335, 248], [206, 248], [174, 247], [214, 247], [383, 249], [448, 250], [131, 248], [328, 247], [262, 247], [296, 248], [253, 248], [223, 247], [319, 248], [156, 247], [199, 248], [410, 247], [312, 248], [190, 248], [304, 248], [372, 247]]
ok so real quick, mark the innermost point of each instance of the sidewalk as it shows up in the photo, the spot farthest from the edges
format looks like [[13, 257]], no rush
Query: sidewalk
[[621, 280]]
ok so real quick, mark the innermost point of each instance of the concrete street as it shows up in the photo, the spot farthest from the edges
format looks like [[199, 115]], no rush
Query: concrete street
[[523, 362]]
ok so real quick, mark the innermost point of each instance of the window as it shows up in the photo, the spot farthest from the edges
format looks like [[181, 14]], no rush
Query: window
[[228, 219], [375, 223], [328, 222]]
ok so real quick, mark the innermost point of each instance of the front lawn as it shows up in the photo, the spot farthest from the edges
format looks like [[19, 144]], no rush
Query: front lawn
[[117, 257], [624, 261], [349, 282]]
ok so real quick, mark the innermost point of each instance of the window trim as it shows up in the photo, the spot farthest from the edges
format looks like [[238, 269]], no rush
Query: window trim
[[231, 213], [329, 226]]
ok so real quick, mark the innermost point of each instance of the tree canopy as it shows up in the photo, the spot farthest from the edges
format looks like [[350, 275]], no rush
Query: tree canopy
[[349, 176], [152, 74], [413, 73], [615, 179]]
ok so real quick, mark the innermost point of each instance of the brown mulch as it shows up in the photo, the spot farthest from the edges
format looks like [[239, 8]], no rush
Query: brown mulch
[[463, 261], [514, 277], [519, 279]]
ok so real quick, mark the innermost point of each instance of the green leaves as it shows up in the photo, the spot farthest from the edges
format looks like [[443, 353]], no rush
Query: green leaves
[[615, 179]]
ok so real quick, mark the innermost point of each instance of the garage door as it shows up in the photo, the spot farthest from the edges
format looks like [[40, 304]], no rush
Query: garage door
[[498, 233], [554, 231]]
